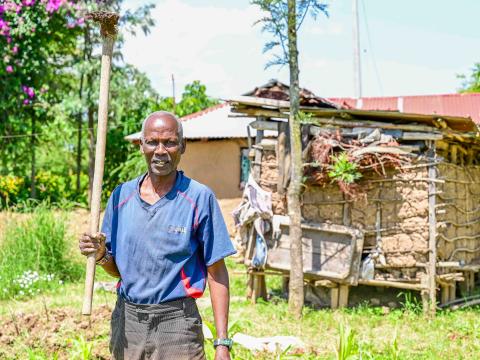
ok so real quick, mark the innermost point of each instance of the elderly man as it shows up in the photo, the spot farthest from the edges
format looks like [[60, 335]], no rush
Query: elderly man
[[163, 235]]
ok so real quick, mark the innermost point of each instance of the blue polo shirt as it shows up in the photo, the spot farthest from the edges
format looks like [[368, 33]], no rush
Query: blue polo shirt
[[162, 250]]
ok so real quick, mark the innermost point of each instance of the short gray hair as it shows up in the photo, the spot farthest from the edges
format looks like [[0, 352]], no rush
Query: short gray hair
[[160, 113]]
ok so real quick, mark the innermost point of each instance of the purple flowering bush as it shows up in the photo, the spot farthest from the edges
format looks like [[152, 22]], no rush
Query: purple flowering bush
[[32, 34]]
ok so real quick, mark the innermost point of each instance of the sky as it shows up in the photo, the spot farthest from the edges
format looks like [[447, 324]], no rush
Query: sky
[[408, 47]]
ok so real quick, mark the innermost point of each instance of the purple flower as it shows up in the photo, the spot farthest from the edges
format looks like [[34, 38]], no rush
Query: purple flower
[[26, 102], [80, 21], [2, 9], [15, 49], [28, 2], [53, 5], [4, 25], [31, 93], [9, 68]]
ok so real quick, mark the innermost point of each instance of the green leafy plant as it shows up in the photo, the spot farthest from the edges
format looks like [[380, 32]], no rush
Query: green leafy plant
[[43, 260], [393, 351], [81, 349], [410, 303], [343, 169], [347, 346]]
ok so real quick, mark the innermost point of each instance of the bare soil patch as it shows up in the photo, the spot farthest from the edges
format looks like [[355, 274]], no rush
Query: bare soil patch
[[54, 331]]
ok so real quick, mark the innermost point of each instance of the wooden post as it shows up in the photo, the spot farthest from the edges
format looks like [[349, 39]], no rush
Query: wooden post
[[334, 294], [259, 287], [432, 241], [445, 294], [257, 164], [282, 145], [108, 22], [347, 221], [452, 291], [343, 296]]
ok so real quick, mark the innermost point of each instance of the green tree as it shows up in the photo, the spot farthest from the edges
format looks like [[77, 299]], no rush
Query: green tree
[[49, 78], [194, 98], [471, 83], [284, 19]]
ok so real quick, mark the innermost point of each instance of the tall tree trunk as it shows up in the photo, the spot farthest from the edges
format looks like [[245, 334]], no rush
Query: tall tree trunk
[[296, 295], [33, 187], [91, 151]]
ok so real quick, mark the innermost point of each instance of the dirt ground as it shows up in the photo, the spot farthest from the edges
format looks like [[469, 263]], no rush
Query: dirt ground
[[55, 330]]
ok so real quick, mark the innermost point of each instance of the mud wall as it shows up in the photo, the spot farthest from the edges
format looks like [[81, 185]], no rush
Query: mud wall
[[458, 215], [392, 212]]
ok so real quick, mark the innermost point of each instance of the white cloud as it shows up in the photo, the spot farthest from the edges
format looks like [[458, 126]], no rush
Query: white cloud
[[216, 45], [219, 46]]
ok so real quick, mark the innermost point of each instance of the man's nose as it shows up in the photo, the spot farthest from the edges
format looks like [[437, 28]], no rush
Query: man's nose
[[160, 149]]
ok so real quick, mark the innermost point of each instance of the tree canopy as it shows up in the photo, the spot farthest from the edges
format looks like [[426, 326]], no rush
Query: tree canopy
[[49, 75], [471, 83]]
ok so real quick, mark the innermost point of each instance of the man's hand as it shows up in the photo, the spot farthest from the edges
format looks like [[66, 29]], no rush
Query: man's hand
[[90, 243], [222, 353]]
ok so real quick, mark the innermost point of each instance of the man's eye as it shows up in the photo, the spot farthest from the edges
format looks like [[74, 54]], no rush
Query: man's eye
[[172, 143]]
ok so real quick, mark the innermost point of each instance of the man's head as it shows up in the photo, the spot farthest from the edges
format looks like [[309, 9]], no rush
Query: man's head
[[162, 142]]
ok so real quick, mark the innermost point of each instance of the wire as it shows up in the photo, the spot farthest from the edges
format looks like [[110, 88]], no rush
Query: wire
[[377, 74], [46, 134]]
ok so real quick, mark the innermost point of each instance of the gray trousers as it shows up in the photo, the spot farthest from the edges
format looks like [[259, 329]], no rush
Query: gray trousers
[[171, 330]]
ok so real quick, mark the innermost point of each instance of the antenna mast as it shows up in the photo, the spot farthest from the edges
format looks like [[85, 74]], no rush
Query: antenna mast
[[357, 66]]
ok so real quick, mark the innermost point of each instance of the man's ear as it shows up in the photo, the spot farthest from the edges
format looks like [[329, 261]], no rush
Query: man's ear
[[184, 146]]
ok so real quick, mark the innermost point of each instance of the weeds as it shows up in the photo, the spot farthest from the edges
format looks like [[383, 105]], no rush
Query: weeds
[[33, 256], [347, 345], [410, 303], [81, 349]]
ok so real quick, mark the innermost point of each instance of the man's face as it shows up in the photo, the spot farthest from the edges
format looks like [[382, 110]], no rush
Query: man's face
[[161, 145]]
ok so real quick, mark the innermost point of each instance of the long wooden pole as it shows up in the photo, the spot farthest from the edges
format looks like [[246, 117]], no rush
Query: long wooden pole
[[432, 241], [108, 22]]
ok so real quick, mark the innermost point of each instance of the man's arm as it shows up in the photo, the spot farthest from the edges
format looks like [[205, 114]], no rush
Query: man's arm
[[219, 294]]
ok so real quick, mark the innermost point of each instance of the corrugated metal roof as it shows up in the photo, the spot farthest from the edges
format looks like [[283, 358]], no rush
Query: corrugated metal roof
[[464, 105], [212, 123]]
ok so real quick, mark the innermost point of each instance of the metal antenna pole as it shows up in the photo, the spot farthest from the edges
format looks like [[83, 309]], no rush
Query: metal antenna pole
[[357, 66]]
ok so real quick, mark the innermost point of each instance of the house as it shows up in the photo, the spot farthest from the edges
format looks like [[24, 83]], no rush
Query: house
[[408, 223]]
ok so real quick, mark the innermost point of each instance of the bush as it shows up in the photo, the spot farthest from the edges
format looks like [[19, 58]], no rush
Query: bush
[[33, 255], [51, 188]]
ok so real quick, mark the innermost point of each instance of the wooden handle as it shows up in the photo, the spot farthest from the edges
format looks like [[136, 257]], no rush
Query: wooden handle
[[99, 165]]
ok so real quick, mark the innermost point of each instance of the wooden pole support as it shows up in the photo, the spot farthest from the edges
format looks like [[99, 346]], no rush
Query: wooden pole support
[[343, 296], [108, 22], [334, 293], [432, 241]]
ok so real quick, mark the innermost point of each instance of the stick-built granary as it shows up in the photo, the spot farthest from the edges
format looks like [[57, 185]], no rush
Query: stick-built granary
[[412, 221]]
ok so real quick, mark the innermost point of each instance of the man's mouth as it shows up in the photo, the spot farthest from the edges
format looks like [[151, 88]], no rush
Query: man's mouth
[[160, 162]]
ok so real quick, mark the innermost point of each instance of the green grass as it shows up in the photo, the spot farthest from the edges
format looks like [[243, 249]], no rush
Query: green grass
[[34, 255], [359, 333], [400, 334]]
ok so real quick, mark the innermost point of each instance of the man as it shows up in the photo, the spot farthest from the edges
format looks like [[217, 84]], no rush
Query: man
[[162, 234]]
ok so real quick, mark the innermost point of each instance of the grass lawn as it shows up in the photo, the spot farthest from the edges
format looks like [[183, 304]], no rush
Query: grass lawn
[[50, 326]]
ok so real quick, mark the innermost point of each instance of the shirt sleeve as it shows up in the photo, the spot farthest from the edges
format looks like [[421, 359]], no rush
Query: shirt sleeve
[[213, 233], [107, 222]]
